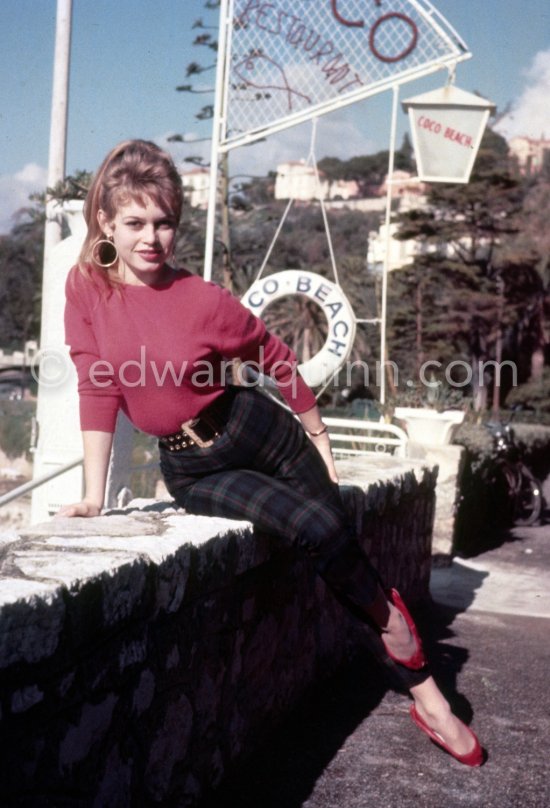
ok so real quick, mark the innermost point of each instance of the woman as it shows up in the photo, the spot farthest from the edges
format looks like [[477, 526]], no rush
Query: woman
[[154, 342]]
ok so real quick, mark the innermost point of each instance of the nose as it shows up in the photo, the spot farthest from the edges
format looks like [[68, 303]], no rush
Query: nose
[[149, 234]]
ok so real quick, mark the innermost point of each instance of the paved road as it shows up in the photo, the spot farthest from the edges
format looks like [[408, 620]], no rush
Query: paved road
[[511, 579], [352, 745]]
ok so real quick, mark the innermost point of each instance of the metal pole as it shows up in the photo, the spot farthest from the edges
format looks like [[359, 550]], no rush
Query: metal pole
[[38, 481], [53, 411], [217, 123], [58, 124], [386, 267]]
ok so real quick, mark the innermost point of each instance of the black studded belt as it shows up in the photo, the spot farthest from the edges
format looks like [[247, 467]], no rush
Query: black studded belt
[[201, 431]]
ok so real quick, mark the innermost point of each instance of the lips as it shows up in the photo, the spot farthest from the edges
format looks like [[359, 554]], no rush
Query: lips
[[150, 255]]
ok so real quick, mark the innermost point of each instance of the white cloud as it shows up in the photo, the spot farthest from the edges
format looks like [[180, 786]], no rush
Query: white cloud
[[15, 190], [530, 113], [335, 137]]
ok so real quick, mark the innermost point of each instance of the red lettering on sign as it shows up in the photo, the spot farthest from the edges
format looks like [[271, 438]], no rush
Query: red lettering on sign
[[349, 23], [325, 50], [263, 19], [408, 49], [252, 5], [458, 137], [312, 41], [297, 33], [334, 71], [342, 20], [356, 80], [428, 123], [449, 133]]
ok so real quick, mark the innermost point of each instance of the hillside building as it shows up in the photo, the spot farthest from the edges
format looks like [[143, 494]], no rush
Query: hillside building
[[297, 180], [196, 185], [407, 190], [532, 154]]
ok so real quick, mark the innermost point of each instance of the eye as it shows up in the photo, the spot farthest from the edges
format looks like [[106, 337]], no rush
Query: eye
[[134, 224]]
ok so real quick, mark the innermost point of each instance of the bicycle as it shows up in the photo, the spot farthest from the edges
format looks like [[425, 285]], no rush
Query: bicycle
[[513, 485]]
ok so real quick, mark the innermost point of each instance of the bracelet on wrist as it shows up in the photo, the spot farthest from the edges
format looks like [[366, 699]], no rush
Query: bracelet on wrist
[[320, 432]]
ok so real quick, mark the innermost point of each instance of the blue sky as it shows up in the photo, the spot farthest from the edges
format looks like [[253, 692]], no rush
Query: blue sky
[[128, 57]]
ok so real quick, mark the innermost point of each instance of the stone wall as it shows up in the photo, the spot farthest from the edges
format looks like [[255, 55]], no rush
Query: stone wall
[[450, 462], [142, 653]]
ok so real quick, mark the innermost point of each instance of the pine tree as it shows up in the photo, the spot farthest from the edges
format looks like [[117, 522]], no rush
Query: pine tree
[[462, 292]]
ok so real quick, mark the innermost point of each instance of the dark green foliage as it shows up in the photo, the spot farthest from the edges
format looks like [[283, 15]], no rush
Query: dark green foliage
[[75, 186], [482, 512], [533, 394], [15, 427], [21, 259], [190, 239], [368, 170], [20, 280], [474, 294]]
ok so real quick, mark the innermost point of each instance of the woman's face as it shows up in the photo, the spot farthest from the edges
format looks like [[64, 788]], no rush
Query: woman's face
[[144, 237]]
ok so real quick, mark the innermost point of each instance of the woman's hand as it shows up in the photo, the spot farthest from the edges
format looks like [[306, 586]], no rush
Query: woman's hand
[[97, 450], [83, 508]]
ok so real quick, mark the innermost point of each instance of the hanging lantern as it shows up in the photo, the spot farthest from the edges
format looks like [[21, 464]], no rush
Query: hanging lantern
[[447, 126]]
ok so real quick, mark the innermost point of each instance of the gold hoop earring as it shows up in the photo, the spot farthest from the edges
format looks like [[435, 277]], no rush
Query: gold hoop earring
[[104, 252]]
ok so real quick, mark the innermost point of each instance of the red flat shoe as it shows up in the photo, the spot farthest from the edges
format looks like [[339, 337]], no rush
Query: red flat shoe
[[417, 660], [473, 758]]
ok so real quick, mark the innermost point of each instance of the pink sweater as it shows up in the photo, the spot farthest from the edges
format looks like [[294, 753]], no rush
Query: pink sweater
[[158, 353]]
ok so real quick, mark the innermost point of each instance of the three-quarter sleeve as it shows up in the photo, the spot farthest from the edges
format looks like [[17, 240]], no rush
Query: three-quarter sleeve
[[99, 396]]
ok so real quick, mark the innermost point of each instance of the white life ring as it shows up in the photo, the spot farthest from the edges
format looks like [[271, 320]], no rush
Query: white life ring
[[318, 370]]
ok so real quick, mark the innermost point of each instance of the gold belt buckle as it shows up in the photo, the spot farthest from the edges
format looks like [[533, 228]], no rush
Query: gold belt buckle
[[187, 428]]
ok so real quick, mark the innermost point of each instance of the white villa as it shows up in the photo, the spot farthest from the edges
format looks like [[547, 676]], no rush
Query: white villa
[[531, 153], [196, 185], [296, 180]]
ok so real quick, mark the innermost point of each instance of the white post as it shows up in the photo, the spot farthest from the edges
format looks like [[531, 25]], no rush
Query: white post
[[386, 267], [58, 433], [58, 124], [217, 124]]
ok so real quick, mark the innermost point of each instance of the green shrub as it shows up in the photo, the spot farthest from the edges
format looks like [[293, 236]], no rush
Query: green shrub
[[533, 394], [15, 427], [483, 510]]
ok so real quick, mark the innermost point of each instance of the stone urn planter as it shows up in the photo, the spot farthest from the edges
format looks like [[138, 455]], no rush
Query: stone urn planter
[[428, 426]]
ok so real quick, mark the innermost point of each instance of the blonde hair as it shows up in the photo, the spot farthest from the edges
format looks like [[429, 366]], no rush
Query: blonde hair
[[135, 170]]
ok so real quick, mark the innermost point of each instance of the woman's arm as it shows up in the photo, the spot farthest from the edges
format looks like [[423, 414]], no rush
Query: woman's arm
[[317, 431], [97, 451], [240, 334]]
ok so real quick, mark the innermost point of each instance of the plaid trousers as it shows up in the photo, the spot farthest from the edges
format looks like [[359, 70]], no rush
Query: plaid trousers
[[264, 469]]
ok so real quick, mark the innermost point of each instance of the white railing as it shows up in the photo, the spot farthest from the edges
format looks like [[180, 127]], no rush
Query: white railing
[[23, 489], [351, 436], [32, 484]]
